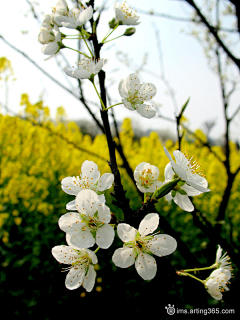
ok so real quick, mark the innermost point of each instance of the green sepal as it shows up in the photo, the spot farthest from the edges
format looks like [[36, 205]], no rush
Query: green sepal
[[182, 192], [93, 232], [174, 192]]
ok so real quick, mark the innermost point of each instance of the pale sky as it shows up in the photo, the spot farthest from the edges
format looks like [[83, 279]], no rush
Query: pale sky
[[185, 65]]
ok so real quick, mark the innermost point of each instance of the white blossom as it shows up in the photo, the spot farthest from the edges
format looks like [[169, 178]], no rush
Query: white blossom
[[61, 8], [140, 245], [86, 68], [217, 282], [146, 177], [90, 224], [73, 18], [89, 178], [46, 34], [188, 169], [81, 269], [222, 260], [134, 94], [125, 15], [53, 47]]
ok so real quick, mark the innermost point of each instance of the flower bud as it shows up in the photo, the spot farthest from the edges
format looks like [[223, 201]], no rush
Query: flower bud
[[165, 189], [112, 24], [129, 32]]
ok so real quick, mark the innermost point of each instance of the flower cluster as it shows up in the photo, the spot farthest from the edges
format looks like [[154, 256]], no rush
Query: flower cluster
[[191, 180], [88, 222]]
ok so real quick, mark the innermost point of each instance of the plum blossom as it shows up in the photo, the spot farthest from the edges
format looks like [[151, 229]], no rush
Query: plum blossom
[[146, 177], [125, 15], [81, 261], [90, 224], [188, 169], [134, 94], [86, 68], [73, 18], [61, 8], [46, 34], [222, 260], [53, 47], [89, 178], [140, 245], [217, 282]]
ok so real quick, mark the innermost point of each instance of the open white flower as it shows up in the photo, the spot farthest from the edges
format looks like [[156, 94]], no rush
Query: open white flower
[[146, 177], [74, 18], [46, 34], [125, 15], [53, 47], [89, 178], [86, 68], [222, 260], [90, 224], [188, 169], [217, 282], [134, 94], [81, 261], [139, 246]]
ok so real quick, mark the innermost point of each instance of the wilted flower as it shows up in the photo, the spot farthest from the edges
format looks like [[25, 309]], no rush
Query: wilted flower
[[125, 14], [139, 246], [90, 224], [134, 94], [81, 261], [86, 68], [146, 177]]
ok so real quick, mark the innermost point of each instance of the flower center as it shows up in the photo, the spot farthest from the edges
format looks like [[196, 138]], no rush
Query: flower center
[[83, 182], [146, 178], [92, 223], [127, 11], [193, 164]]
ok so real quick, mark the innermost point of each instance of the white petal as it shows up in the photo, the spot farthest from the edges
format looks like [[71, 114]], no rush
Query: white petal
[[69, 187], [82, 239], [162, 245], [123, 257], [168, 155], [64, 254], [145, 111], [99, 65], [105, 236], [87, 202], [75, 278], [67, 220], [181, 160], [183, 202], [90, 171], [149, 224], [190, 190], [71, 205], [105, 182], [84, 16], [104, 213], [89, 279], [122, 89], [126, 232], [156, 185], [196, 186], [168, 172], [146, 266], [92, 255], [50, 48]]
